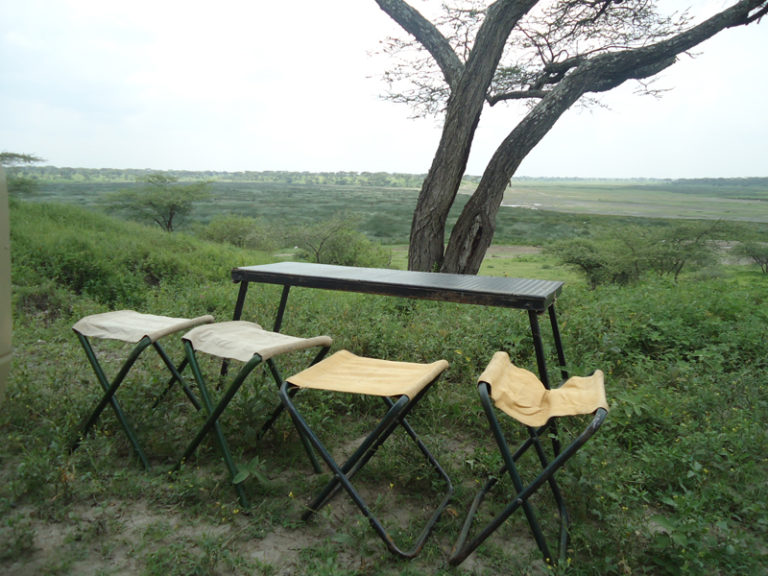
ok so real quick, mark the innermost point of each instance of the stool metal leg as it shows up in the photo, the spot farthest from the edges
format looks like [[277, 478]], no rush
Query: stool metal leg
[[462, 548], [175, 377], [342, 474], [109, 395], [212, 422]]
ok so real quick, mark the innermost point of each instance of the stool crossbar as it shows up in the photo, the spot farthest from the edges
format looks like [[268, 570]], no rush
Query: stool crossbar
[[251, 345], [143, 331], [401, 385], [521, 395]]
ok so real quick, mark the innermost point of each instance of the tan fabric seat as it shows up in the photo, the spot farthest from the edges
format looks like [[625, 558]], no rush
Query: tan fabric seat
[[520, 394], [346, 372], [400, 385], [132, 326], [240, 340]]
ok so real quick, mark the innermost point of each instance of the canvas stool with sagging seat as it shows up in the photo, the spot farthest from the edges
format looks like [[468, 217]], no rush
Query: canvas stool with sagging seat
[[141, 330], [401, 385], [521, 395], [251, 345]]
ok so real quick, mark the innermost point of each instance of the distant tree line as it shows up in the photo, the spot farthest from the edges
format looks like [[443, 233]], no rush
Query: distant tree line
[[380, 179]]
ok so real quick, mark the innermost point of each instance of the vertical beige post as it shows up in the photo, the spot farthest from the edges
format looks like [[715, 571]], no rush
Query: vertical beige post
[[5, 287]]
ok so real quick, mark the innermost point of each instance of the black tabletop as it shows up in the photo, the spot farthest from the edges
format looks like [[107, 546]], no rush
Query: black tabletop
[[527, 294]]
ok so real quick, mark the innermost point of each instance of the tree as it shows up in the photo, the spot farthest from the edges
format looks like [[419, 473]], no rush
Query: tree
[[625, 255], [758, 252], [15, 159], [161, 199], [336, 241], [19, 185], [546, 53], [687, 244]]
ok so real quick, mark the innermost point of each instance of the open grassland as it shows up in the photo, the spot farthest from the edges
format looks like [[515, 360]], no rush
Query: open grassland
[[745, 200], [535, 212], [676, 482]]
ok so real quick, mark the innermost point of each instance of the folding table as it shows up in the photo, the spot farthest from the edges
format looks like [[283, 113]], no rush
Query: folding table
[[534, 296]]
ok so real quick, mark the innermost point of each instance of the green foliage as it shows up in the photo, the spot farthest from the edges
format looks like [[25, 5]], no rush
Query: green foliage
[[625, 255], [161, 199], [757, 252], [337, 242], [114, 263], [18, 184], [241, 231], [676, 482], [682, 443], [15, 159], [565, 209]]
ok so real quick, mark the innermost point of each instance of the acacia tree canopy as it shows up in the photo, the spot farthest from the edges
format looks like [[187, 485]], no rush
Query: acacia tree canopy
[[15, 158], [161, 199], [547, 54], [19, 185]]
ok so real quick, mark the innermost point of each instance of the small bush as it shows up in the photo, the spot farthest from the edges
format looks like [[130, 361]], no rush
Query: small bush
[[241, 231]]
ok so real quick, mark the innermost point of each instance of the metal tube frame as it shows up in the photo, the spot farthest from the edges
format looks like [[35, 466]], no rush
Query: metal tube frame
[[110, 389], [343, 474], [462, 549], [214, 412]]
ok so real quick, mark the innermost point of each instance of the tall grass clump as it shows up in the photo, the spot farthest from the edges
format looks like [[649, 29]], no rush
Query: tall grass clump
[[111, 262], [674, 483]]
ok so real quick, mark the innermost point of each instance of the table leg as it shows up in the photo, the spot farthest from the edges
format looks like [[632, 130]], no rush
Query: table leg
[[538, 345], [240, 300], [281, 308], [558, 342]]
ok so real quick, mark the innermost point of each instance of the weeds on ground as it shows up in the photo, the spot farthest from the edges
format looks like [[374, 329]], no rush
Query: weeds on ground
[[674, 482]]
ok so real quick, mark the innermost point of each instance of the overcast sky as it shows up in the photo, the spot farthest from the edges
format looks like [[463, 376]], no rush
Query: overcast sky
[[255, 85]]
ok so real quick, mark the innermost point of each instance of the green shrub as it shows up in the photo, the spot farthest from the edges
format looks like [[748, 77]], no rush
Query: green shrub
[[676, 481], [113, 262], [241, 231], [337, 241]]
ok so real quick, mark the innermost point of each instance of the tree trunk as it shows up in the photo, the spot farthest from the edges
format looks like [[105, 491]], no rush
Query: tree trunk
[[438, 192], [474, 230], [473, 233]]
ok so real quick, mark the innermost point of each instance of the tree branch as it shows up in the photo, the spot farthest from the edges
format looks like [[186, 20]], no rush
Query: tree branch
[[428, 36], [615, 68], [516, 95]]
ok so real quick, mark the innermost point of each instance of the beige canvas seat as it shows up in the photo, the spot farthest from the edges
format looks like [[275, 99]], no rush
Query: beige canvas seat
[[141, 330], [251, 345], [521, 395], [400, 385]]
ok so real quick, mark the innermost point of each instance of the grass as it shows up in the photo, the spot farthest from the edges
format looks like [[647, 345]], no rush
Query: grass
[[737, 199], [675, 482]]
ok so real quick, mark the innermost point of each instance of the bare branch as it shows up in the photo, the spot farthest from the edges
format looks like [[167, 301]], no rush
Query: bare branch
[[427, 35], [520, 95]]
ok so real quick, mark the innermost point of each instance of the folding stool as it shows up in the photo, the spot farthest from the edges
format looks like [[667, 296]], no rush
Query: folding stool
[[401, 385], [521, 395], [249, 343], [139, 329]]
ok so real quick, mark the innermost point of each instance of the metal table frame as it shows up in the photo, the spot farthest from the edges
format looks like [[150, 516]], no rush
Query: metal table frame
[[534, 296]]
